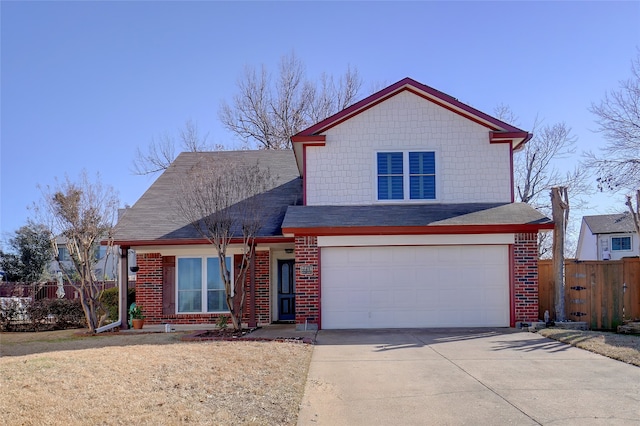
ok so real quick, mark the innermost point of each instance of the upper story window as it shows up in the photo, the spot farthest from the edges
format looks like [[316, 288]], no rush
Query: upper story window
[[415, 170], [99, 252], [200, 286], [63, 254], [390, 176], [621, 243]]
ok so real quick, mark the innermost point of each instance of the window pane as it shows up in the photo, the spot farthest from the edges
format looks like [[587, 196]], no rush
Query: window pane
[[285, 278], [390, 188], [621, 243], [214, 280], [389, 163], [190, 284], [190, 273], [189, 301], [422, 176], [422, 187], [390, 180], [63, 254], [422, 163], [216, 301], [216, 295]]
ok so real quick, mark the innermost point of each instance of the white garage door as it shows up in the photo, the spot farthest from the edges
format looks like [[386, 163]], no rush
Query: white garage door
[[420, 286]]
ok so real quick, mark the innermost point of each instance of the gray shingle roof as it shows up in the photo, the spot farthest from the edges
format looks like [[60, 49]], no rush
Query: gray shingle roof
[[154, 217], [610, 223], [413, 215]]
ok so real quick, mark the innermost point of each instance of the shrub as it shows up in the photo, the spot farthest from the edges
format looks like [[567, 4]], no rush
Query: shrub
[[110, 301], [56, 314], [222, 322]]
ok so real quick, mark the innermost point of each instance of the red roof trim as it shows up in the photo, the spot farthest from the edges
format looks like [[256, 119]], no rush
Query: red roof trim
[[417, 230], [422, 90], [508, 137], [320, 140], [196, 241]]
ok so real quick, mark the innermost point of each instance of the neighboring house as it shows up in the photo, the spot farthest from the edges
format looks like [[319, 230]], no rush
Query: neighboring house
[[395, 212], [607, 237], [106, 267]]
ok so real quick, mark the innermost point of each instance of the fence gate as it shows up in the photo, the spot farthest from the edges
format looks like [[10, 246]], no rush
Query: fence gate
[[577, 298], [602, 293]]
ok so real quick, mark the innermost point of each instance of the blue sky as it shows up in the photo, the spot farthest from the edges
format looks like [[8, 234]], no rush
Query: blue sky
[[85, 83]]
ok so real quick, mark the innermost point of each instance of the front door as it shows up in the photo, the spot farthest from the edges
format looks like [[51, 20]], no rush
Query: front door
[[286, 290]]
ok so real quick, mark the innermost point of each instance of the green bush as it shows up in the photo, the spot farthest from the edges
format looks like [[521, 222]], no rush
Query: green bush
[[110, 300], [56, 314]]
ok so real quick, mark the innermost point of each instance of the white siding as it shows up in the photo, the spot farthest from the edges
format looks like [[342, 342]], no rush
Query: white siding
[[470, 169]]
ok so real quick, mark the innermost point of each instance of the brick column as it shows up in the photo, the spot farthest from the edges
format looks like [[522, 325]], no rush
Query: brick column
[[262, 289], [149, 286], [525, 271], [307, 282]]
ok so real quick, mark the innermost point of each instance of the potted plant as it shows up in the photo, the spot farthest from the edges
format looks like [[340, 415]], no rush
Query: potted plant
[[136, 315]]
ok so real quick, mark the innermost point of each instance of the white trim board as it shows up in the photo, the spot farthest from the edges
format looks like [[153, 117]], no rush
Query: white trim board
[[414, 240]]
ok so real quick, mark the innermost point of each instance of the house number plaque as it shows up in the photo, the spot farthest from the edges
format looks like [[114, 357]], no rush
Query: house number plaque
[[306, 269]]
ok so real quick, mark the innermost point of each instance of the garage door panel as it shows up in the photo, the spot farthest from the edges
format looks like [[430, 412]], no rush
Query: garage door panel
[[424, 286]]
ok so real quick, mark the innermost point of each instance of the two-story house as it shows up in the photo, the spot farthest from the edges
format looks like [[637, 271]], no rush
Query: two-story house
[[607, 237], [395, 212]]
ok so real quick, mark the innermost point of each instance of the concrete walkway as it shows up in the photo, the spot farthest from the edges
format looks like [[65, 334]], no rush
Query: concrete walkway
[[460, 376]]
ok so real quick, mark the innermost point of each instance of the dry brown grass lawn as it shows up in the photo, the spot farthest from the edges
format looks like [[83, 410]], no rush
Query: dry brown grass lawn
[[62, 378], [623, 347]]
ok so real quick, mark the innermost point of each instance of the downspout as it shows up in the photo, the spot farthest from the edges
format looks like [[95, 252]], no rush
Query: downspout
[[108, 326], [252, 288], [123, 282]]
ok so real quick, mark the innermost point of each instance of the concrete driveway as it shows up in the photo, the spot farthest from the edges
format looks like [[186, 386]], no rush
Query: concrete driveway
[[463, 376]]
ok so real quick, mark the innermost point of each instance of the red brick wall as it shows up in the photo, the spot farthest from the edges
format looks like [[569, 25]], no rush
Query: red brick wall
[[307, 285], [525, 270], [149, 285], [149, 292]]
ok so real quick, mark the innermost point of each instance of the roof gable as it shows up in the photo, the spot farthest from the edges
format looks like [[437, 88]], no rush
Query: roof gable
[[501, 131], [610, 223]]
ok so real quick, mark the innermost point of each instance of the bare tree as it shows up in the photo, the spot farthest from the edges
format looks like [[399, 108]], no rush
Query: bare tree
[[618, 119], [267, 111], [222, 201], [83, 214], [635, 212], [560, 215], [333, 95], [536, 168], [162, 150]]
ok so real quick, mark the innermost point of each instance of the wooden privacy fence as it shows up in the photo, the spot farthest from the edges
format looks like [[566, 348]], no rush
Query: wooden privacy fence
[[601, 293]]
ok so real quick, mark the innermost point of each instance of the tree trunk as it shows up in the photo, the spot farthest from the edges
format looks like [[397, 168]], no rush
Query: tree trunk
[[635, 213], [560, 212]]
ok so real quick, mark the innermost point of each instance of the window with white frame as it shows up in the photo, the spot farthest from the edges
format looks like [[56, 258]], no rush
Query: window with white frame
[[415, 170], [621, 243], [199, 285]]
